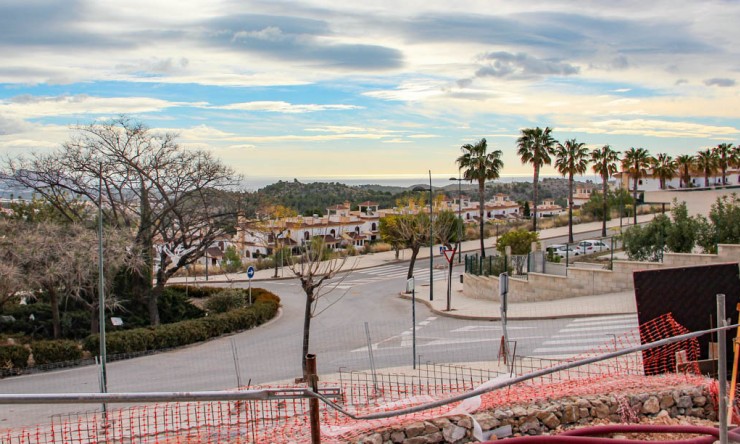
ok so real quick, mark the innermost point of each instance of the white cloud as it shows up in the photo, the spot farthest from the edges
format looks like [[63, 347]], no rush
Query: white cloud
[[285, 107], [654, 128], [28, 107]]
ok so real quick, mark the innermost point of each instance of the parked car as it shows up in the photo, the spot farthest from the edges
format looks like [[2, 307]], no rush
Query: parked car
[[589, 246], [562, 250]]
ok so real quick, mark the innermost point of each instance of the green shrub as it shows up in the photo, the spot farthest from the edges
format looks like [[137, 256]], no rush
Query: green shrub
[[194, 291], [14, 357], [47, 352], [226, 300], [174, 306], [187, 332], [38, 327]]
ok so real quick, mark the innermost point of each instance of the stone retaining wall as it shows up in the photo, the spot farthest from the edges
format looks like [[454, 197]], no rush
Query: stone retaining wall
[[545, 417], [588, 281]]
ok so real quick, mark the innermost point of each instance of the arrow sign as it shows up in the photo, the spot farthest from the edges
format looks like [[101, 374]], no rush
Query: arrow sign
[[450, 255], [250, 272]]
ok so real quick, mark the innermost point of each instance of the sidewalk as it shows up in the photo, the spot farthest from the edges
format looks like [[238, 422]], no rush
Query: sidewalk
[[469, 308]]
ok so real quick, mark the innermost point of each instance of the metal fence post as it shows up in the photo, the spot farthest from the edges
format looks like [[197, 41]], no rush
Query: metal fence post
[[313, 404], [722, 368]]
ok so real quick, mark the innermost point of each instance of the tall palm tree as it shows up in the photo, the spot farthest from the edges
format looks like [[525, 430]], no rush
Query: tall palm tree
[[723, 154], [706, 162], [535, 146], [685, 163], [571, 159], [635, 162], [664, 168], [479, 165], [605, 164]]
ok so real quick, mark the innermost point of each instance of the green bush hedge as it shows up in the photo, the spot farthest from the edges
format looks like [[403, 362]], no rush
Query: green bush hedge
[[13, 357], [47, 352], [196, 292], [187, 332], [227, 300]]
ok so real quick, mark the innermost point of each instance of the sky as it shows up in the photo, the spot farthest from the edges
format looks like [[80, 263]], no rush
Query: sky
[[345, 90]]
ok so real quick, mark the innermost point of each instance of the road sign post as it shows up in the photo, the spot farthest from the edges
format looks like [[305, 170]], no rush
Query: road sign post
[[410, 286], [503, 290], [450, 256], [250, 275]]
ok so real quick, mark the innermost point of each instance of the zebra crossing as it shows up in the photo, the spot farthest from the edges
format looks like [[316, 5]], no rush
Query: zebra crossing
[[585, 335], [394, 271]]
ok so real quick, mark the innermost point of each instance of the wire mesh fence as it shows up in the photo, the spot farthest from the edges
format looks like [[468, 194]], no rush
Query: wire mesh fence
[[285, 420]]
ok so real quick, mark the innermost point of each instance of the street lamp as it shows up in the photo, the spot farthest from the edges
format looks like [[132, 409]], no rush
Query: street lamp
[[459, 216], [431, 235]]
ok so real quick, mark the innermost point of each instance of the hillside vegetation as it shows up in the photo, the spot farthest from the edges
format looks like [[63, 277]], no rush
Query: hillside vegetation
[[316, 197]]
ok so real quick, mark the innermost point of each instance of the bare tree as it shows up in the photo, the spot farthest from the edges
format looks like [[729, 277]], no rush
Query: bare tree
[[166, 194], [412, 231], [62, 262], [315, 267], [270, 230]]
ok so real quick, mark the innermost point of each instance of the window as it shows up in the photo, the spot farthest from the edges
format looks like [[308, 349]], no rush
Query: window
[[306, 235], [374, 227]]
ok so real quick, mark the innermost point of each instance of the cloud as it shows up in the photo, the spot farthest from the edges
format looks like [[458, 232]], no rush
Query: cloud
[[654, 128], [36, 23], [28, 106], [285, 107], [155, 66], [721, 82], [504, 64], [296, 39], [411, 90]]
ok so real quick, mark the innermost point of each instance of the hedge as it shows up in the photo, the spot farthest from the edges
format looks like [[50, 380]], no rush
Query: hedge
[[48, 352], [187, 332], [13, 357]]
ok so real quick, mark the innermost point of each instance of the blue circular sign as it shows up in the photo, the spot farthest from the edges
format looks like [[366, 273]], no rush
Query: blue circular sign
[[250, 272]]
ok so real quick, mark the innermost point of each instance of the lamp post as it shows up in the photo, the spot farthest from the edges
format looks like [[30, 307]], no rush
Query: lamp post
[[459, 216], [431, 235], [431, 239]]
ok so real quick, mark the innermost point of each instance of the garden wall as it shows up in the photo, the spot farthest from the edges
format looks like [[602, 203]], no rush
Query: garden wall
[[544, 417]]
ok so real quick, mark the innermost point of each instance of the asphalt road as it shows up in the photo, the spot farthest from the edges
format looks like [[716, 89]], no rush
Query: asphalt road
[[338, 337]]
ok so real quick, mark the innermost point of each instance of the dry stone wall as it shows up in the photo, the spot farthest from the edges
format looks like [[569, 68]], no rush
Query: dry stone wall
[[587, 281], [546, 417]]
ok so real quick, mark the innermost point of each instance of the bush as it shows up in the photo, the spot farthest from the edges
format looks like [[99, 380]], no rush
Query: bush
[[47, 352], [39, 327], [187, 332], [14, 357], [225, 301], [519, 240], [378, 247]]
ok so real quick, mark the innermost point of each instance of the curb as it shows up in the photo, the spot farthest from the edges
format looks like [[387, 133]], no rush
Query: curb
[[449, 314]]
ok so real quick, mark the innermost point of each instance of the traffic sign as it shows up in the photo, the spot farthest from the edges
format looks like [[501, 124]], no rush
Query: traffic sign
[[450, 255], [442, 249], [250, 272]]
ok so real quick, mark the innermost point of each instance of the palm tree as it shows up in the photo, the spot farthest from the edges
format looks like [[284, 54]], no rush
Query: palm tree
[[685, 163], [635, 162], [605, 164], [664, 168], [536, 145], [571, 159], [706, 162], [724, 153], [479, 165]]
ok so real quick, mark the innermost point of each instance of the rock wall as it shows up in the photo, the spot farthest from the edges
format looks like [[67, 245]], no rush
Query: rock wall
[[588, 281], [544, 417]]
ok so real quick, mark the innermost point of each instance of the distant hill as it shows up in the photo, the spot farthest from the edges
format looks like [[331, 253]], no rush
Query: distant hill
[[316, 197]]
